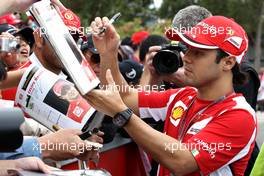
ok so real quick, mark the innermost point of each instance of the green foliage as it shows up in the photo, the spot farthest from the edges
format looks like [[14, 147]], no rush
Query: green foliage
[[88, 10], [170, 7], [128, 28], [136, 14]]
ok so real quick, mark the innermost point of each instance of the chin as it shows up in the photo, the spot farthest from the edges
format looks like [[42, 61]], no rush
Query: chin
[[24, 56]]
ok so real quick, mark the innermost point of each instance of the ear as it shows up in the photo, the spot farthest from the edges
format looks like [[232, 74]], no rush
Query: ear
[[39, 41], [228, 62]]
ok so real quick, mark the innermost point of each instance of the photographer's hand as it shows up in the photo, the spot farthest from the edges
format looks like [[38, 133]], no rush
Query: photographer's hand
[[150, 76], [6, 35], [149, 59], [177, 78], [4, 56]]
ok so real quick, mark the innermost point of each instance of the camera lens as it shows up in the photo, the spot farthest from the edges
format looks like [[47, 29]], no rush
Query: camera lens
[[166, 61], [18, 46], [14, 45]]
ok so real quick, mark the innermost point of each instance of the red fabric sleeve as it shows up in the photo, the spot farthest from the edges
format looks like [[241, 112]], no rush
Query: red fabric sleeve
[[224, 140]]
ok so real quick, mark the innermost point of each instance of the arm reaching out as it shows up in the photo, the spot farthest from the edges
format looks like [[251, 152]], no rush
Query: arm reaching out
[[107, 45], [30, 163], [7, 6], [12, 80]]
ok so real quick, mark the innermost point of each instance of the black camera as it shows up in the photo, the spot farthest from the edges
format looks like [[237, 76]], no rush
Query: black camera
[[3, 71], [11, 136], [168, 59]]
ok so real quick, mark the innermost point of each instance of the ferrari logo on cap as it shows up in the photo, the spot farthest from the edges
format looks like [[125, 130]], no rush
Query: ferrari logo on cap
[[177, 112], [68, 16]]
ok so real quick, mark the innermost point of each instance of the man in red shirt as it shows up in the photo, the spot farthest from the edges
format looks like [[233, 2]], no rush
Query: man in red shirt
[[209, 129]]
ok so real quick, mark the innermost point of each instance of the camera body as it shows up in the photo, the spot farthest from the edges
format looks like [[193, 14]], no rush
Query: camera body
[[168, 59], [11, 136], [9, 45]]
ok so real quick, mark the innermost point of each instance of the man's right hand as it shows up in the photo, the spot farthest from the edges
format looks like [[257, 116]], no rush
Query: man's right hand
[[106, 43]]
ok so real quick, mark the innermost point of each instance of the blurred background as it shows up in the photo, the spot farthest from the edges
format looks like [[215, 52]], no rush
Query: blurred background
[[155, 15]]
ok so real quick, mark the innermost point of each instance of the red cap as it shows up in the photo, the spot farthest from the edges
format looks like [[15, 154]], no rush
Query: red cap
[[9, 19], [72, 21], [213, 33], [138, 37]]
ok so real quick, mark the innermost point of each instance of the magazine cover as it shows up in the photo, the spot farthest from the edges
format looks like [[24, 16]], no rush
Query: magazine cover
[[50, 99]]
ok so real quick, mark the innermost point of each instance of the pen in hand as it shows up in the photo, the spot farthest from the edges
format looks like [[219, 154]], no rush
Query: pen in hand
[[111, 21]]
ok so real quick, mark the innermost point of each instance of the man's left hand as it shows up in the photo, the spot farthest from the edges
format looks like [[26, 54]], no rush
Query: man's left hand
[[107, 101]]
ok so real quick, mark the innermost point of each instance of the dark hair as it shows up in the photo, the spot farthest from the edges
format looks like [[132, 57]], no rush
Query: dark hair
[[239, 77], [152, 40], [127, 41]]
